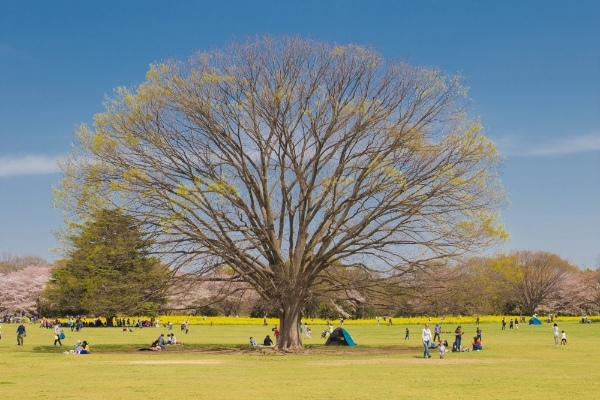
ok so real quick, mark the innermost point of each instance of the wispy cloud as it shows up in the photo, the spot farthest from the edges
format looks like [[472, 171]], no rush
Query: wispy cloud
[[564, 146], [12, 53], [570, 145], [27, 165]]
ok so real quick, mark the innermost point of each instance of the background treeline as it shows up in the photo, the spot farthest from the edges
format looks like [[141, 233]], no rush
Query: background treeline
[[522, 282]]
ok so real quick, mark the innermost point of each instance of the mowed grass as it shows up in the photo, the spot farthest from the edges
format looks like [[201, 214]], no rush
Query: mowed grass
[[215, 363]]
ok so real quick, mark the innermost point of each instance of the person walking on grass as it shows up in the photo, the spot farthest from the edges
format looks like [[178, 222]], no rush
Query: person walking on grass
[[555, 334], [21, 333], [426, 336], [442, 349], [407, 335], [57, 334]]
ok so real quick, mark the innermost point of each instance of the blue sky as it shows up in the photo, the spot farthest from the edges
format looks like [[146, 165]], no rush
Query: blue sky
[[533, 68]]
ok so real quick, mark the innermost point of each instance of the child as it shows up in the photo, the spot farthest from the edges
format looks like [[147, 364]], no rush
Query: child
[[563, 338], [407, 335], [442, 349]]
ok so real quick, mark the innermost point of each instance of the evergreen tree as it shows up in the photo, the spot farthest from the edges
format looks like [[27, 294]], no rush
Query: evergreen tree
[[108, 271]]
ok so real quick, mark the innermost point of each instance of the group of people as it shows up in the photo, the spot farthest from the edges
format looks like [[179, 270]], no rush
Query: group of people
[[513, 323], [80, 348], [327, 332], [160, 343], [563, 336], [268, 341], [429, 341]]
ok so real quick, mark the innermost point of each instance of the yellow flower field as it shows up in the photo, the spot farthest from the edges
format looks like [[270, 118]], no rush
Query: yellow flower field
[[221, 320]]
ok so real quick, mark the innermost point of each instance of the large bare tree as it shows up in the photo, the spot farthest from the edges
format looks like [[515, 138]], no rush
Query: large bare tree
[[282, 157], [538, 277]]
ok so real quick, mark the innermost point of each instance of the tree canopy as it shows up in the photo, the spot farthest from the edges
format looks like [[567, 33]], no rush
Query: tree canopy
[[282, 158], [108, 271]]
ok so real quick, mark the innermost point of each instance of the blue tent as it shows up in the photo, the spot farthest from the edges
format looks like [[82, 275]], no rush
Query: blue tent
[[534, 321], [340, 337]]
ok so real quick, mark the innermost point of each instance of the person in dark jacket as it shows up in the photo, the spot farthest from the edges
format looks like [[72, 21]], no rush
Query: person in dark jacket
[[21, 333], [268, 341]]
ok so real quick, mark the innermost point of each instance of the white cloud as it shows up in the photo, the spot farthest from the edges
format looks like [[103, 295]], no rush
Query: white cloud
[[27, 165], [569, 145]]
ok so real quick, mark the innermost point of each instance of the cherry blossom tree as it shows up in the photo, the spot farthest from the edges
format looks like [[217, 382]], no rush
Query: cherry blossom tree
[[20, 289]]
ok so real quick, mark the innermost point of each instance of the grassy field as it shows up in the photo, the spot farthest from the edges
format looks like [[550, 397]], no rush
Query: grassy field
[[215, 363]]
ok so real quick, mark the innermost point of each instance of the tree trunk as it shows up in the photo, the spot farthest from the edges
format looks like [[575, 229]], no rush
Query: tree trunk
[[109, 321], [289, 330]]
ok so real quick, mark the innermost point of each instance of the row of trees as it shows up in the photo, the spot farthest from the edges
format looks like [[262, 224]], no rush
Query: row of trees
[[522, 282], [110, 272]]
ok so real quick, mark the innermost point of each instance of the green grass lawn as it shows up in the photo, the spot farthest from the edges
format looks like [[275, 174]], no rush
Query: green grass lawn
[[214, 363]]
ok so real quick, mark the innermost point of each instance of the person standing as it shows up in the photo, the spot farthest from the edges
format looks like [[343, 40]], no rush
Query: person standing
[[477, 319], [516, 324], [503, 323], [437, 329], [426, 336], [555, 334], [57, 334], [458, 337], [21, 333], [407, 335], [478, 333], [563, 338]]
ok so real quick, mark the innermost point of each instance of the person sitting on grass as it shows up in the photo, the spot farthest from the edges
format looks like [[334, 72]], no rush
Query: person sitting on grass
[[85, 348], [434, 345], [477, 344], [253, 342], [173, 340], [160, 342], [268, 342]]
